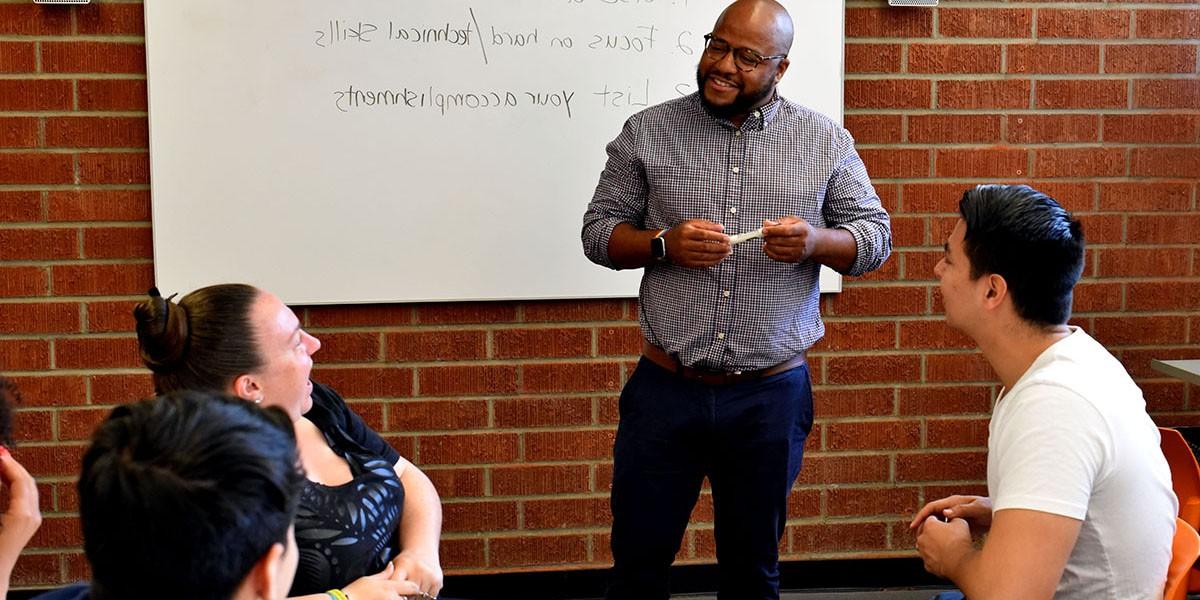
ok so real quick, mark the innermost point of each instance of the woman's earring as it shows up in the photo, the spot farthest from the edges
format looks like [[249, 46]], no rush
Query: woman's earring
[[258, 400]]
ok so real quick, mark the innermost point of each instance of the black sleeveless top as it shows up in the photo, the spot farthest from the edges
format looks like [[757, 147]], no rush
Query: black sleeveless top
[[347, 531]]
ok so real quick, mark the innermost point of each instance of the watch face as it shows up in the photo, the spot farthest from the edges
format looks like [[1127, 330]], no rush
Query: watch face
[[658, 247]]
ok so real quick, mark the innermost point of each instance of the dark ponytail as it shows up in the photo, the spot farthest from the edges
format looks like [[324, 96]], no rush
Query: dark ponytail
[[202, 342]]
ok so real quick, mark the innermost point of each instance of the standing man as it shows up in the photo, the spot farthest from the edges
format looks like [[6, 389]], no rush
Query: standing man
[[722, 389], [1079, 501]]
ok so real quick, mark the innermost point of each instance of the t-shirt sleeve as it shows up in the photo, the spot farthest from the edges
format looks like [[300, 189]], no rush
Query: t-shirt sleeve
[[339, 414], [1052, 451]]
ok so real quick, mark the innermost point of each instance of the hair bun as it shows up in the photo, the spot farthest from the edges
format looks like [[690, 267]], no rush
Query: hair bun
[[162, 330]]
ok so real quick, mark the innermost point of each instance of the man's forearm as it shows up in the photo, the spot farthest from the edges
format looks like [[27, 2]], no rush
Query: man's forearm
[[629, 247], [836, 250]]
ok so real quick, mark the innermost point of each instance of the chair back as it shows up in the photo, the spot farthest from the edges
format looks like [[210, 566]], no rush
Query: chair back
[[1185, 474], [1185, 549]]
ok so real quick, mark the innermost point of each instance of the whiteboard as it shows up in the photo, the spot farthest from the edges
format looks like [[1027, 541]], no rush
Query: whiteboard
[[415, 150]]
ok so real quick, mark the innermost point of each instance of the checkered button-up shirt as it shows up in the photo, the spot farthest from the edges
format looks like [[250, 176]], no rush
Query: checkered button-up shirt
[[675, 161]]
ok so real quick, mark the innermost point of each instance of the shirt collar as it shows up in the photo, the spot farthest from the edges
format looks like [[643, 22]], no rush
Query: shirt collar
[[757, 120]]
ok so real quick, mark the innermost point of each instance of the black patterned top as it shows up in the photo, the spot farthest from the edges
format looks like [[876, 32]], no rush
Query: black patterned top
[[347, 531]]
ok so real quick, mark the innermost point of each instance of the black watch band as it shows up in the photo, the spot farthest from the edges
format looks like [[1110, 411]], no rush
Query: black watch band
[[658, 246]]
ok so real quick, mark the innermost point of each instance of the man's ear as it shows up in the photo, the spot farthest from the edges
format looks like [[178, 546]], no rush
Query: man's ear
[[264, 578], [246, 387], [997, 291]]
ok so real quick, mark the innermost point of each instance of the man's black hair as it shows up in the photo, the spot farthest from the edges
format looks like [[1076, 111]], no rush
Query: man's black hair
[[1024, 236]]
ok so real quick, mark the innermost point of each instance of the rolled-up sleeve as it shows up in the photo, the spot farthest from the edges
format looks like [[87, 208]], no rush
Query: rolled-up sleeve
[[852, 204], [620, 195]]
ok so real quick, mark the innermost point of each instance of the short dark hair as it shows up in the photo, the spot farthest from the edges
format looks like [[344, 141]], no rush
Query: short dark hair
[[1027, 238], [181, 495], [201, 343]]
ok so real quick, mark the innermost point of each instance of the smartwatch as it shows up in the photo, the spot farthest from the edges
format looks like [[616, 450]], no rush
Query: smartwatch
[[658, 246]]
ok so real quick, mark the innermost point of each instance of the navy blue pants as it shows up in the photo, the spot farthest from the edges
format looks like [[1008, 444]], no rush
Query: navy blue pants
[[747, 438]]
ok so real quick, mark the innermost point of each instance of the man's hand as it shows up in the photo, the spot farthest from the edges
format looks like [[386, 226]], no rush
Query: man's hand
[[790, 239], [1023, 556], [944, 546], [976, 510], [697, 243]]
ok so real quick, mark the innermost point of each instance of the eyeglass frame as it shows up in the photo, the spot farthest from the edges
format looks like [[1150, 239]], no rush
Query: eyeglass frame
[[709, 37]]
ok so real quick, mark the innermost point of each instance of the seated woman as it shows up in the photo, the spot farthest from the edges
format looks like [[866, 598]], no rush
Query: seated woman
[[22, 517], [368, 519]]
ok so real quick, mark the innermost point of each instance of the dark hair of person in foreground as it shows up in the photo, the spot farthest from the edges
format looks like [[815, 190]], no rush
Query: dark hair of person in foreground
[[181, 496]]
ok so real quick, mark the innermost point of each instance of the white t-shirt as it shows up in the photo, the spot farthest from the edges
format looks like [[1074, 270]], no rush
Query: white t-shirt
[[1072, 438]]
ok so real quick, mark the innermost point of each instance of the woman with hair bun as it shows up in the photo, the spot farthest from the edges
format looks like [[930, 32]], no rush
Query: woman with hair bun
[[369, 519]]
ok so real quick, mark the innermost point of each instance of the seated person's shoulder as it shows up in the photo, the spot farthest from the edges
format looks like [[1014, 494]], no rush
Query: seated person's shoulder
[[1042, 397]]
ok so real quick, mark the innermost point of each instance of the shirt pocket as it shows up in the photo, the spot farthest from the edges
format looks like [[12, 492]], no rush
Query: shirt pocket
[[676, 194], [775, 192]]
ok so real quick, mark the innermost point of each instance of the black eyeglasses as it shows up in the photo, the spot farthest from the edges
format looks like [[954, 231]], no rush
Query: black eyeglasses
[[744, 59]]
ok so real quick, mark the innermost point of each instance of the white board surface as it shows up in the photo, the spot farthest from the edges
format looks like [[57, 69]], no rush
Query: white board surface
[[415, 150]]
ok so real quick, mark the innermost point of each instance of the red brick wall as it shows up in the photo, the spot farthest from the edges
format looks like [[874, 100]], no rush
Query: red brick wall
[[510, 407]]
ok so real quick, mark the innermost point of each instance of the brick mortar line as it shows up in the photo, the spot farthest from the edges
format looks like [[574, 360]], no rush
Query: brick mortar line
[[1019, 4], [27, 226], [81, 150], [1034, 146], [51, 225], [41, 76], [450, 327], [1005, 43], [1022, 112], [75, 114], [985, 77], [1038, 178], [116, 38], [465, 500], [82, 262], [87, 187]]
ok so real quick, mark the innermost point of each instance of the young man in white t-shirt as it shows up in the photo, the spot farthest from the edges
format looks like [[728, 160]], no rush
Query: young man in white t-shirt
[[1080, 502]]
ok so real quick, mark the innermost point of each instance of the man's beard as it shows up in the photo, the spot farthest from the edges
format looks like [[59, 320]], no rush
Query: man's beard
[[742, 104]]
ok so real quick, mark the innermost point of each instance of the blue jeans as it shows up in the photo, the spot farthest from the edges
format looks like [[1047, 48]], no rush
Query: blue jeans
[[747, 438]]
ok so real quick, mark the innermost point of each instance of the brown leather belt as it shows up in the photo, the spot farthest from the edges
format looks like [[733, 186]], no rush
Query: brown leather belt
[[660, 357]]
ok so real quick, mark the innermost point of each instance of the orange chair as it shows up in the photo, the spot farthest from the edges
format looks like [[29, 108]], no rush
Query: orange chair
[[1185, 549], [1185, 479], [1185, 474]]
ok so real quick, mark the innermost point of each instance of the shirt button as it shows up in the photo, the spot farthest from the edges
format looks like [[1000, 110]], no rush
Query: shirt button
[[725, 293], [737, 134], [736, 170], [733, 209], [721, 335]]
